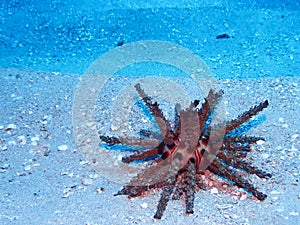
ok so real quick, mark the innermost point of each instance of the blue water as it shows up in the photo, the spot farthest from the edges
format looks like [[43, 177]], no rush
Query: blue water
[[67, 37]]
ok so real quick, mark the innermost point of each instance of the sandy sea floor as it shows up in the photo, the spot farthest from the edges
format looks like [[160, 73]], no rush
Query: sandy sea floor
[[45, 179]]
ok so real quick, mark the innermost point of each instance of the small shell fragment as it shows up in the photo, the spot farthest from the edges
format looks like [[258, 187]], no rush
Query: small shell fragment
[[28, 167], [62, 147], [295, 136], [22, 139], [11, 126], [144, 205], [100, 190], [87, 181], [260, 142], [36, 138], [214, 191]]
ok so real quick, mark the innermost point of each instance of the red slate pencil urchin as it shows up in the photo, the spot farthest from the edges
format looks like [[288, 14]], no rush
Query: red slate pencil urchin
[[177, 145]]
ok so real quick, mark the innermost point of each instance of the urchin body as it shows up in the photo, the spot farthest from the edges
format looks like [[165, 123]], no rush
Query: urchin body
[[183, 154]]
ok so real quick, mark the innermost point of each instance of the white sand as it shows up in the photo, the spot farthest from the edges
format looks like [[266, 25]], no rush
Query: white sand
[[43, 184]]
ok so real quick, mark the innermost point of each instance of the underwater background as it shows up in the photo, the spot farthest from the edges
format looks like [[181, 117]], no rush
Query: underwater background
[[251, 47], [67, 36]]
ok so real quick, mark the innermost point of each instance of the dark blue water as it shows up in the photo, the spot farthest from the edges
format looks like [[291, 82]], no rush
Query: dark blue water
[[68, 37]]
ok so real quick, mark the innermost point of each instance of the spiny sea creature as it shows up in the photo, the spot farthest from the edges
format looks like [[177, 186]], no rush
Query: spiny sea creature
[[184, 154]]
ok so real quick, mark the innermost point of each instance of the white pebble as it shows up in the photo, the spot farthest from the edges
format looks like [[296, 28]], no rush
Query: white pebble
[[93, 176], [90, 124], [35, 139], [114, 128], [27, 168], [87, 181], [226, 216], [20, 174], [1, 127], [265, 155], [279, 209], [66, 195], [11, 143], [44, 122], [84, 162], [11, 126], [293, 149], [214, 191], [295, 136], [119, 157], [144, 120], [260, 142], [62, 147], [294, 213], [275, 192], [243, 197], [144, 205], [22, 140], [5, 166], [281, 120], [70, 175], [116, 163], [234, 216]]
